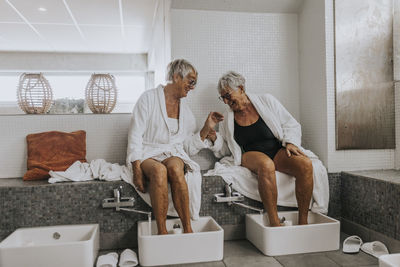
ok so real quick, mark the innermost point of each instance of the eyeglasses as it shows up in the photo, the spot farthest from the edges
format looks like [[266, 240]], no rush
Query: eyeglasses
[[226, 96], [192, 82]]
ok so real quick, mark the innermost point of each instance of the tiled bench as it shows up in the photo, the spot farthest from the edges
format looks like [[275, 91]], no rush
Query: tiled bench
[[38, 203], [370, 202]]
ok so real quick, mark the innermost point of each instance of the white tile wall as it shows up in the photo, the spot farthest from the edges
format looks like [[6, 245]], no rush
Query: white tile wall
[[106, 137], [263, 47], [341, 160], [313, 106]]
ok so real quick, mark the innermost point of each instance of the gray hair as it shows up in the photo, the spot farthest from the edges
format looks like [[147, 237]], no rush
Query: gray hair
[[232, 80], [181, 67]]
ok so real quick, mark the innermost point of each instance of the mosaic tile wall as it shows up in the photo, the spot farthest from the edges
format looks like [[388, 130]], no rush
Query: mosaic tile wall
[[371, 203], [37, 203]]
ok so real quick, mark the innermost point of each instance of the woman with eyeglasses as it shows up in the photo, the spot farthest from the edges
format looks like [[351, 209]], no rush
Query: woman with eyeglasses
[[161, 138], [261, 135]]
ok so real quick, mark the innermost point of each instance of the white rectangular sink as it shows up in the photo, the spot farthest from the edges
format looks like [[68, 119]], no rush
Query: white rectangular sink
[[50, 246], [391, 260], [321, 234], [205, 244]]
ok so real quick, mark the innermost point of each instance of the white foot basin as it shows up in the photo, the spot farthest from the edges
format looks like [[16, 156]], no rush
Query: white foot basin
[[50, 246], [205, 244], [391, 260], [321, 234]]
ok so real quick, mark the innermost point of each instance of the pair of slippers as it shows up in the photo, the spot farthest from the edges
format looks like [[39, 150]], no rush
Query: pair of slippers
[[128, 259], [353, 244]]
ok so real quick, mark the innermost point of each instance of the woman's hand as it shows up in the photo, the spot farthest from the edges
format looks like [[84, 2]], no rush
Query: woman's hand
[[212, 120], [138, 178], [293, 150], [212, 136]]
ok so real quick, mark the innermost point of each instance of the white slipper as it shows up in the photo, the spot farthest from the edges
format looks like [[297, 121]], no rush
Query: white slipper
[[352, 244], [128, 258], [375, 248], [108, 260]]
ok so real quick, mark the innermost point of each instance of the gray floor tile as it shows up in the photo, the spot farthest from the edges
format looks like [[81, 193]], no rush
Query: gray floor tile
[[250, 261], [358, 259], [201, 264], [240, 248], [307, 260]]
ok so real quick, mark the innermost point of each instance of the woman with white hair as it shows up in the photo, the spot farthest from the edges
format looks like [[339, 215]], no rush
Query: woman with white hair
[[162, 135], [261, 135]]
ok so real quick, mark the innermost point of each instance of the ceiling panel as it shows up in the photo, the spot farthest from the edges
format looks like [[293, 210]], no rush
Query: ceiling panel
[[56, 11], [102, 39], [99, 21], [138, 12], [21, 37], [137, 39], [102, 12], [7, 14], [63, 38]]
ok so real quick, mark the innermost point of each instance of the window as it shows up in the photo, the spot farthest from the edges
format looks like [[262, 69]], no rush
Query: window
[[69, 91]]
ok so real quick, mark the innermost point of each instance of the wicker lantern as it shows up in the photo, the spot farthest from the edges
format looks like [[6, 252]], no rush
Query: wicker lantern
[[101, 93], [34, 93]]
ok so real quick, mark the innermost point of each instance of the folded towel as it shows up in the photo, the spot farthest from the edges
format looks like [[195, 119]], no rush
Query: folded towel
[[97, 169], [108, 260], [128, 258]]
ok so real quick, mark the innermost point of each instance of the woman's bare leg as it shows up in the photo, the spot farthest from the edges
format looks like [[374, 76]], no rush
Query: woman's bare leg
[[264, 167], [156, 172], [179, 189], [301, 168]]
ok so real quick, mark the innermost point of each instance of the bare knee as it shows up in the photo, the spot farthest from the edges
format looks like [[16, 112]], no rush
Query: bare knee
[[175, 171], [158, 176], [306, 168], [266, 170]]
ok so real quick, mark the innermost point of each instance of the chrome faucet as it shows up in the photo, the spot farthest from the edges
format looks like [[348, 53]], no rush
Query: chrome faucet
[[117, 194], [121, 203], [117, 201], [233, 198]]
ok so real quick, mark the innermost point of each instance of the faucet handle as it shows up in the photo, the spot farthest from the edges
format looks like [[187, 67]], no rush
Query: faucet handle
[[117, 194]]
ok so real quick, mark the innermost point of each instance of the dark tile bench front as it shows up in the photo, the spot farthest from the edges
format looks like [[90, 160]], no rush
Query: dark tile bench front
[[38, 203]]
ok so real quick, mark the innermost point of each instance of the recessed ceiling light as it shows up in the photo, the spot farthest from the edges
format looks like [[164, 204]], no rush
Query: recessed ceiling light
[[42, 9]]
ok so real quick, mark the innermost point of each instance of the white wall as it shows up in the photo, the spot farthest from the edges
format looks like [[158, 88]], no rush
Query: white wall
[[313, 103], [341, 160], [64, 62], [106, 137], [263, 47], [160, 50]]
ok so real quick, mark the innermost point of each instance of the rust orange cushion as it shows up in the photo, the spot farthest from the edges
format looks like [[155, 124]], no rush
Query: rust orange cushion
[[53, 151]]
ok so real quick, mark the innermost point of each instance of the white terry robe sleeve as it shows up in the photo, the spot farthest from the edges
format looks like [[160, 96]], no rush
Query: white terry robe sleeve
[[193, 143], [220, 147], [291, 128], [137, 128]]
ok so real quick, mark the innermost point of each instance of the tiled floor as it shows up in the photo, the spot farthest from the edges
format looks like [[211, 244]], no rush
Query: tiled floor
[[241, 253]]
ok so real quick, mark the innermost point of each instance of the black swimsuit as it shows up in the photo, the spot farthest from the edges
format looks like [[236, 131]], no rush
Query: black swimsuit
[[257, 137]]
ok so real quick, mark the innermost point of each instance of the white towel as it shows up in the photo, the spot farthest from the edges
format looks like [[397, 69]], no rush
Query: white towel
[[108, 260], [128, 258], [97, 169]]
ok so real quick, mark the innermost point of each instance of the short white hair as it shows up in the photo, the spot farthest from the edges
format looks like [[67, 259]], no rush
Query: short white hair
[[181, 67], [231, 80]]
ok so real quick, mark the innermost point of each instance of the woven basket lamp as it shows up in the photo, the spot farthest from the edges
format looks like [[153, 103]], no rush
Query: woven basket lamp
[[101, 93], [34, 93]]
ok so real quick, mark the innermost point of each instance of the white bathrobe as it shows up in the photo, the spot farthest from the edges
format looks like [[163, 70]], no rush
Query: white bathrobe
[[287, 130], [149, 136]]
